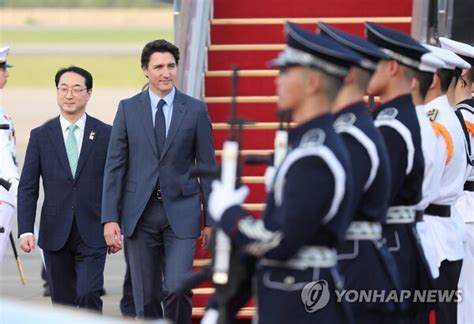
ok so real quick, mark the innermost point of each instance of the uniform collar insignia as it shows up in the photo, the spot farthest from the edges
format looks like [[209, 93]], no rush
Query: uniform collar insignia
[[432, 114]]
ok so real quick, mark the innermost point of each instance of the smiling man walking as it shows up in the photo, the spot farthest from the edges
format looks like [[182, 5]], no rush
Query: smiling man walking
[[68, 153], [149, 193]]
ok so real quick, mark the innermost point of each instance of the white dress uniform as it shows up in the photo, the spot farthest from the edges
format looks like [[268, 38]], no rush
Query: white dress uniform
[[9, 172], [465, 204], [448, 233], [434, 164]]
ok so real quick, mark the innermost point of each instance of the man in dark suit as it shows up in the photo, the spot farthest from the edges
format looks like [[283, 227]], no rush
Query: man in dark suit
[[149, 193], [68, 153]]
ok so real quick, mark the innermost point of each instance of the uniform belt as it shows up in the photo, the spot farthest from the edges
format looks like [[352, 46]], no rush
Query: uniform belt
[[156, 193], [438, 210], [400, 215], [419, 215], [469, 186], [363, 230], [307, 257]]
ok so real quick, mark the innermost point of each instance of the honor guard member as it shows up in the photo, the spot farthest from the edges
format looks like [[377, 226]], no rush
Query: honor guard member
[[9, 175], [364, 251], [441, 217], [396, 118], [465, 204], [307, 210], [433, 145], [430, 144]]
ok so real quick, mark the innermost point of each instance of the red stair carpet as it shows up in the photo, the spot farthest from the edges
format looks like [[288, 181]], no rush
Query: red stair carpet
[[249, 33]]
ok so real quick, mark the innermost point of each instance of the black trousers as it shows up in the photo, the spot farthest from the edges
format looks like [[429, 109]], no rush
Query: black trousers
[[76, 273], [448, 280]]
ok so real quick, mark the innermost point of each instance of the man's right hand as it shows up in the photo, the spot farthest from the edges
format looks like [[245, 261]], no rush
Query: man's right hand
[[113, 237], [27, 243]]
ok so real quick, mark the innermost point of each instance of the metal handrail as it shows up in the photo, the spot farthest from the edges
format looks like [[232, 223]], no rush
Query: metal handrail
[[192, 24]]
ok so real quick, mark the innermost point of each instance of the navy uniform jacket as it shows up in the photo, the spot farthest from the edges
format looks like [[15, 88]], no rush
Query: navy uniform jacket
[[303, 216], [369, 161], [371, 180], [398, 123], [65, 198], [308, 206]]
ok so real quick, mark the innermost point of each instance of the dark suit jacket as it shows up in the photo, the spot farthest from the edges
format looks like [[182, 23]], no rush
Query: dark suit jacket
[[134, 164], [65, 197]]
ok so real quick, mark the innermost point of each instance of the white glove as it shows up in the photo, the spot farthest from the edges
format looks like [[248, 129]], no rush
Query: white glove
[[222, 198], [210, 317], [269, 177]]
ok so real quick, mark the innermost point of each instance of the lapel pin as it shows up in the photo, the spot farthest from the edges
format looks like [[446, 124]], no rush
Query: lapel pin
[[92, 135]]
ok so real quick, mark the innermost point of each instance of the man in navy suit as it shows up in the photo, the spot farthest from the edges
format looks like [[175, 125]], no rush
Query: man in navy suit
[[149, 193], [68, 153]]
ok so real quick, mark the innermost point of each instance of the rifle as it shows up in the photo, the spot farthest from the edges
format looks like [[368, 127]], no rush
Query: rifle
[[280, 144], [225, 270]]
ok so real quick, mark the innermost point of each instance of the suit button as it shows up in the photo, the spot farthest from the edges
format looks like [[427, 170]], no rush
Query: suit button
[[74, 188], [72, 207]]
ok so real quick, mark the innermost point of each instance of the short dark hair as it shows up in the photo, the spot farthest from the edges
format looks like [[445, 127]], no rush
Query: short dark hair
[[445, 77], [362, 78], [161, 46], [424, 79], [333, 83], [78, 70]]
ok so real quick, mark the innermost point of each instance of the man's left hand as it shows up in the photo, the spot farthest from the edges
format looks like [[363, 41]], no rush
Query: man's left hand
[[206, 235]]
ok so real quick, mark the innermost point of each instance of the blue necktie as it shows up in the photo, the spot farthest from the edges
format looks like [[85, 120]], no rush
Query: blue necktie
[[71, 148], [160, 125]]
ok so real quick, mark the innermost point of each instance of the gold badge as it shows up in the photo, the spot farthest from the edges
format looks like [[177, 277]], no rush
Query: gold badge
[[432, 114]]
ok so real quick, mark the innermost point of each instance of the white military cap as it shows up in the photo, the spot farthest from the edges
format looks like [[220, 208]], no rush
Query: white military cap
[[462, 49], [451, 60], [465, 51], [430, 63], [3, 56]]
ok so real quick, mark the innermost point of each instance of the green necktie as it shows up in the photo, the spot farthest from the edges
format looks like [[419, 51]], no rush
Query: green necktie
[[71, 148]]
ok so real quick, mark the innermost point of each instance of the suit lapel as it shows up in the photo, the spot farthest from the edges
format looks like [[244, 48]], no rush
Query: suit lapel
[[147, 120], [178, 113], [87, 143], [55, 134]]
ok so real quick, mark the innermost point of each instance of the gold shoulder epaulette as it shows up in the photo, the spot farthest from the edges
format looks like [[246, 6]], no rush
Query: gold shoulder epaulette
[[432, 114]]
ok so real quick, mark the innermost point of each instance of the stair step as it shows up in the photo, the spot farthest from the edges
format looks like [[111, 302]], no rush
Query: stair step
[[253, 139], [272, 33], [253, 99], [248, 86], [242, 99], [245, 59], [245, 313], [243, 73], [249, 169], [257, 112], [386, 19], [271, 126], [248, 152], [256, 198], [302, 8]]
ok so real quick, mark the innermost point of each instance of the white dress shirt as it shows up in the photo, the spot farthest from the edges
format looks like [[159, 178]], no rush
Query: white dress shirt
[[79, 132]]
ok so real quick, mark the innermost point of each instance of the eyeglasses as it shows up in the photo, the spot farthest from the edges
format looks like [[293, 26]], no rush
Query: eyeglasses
[[63, 91]]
